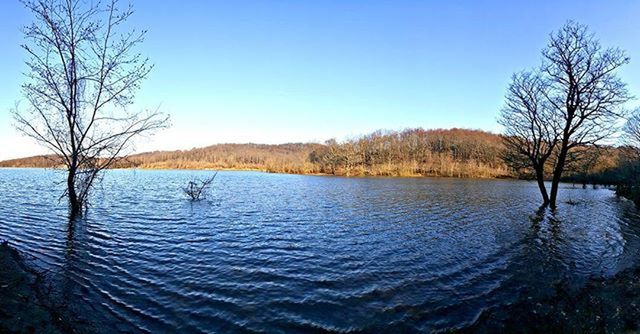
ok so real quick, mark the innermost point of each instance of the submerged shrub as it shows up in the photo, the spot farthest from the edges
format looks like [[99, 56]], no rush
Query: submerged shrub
[[197, 189]]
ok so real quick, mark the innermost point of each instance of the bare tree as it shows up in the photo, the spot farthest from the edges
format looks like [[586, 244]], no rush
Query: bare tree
[[83, 74], [529, 127], [584, 90], [629, 167], [582, 94], [197, 189], [632, 131]]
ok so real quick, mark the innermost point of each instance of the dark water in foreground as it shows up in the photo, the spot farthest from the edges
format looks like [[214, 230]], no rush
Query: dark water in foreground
[[289, 253]]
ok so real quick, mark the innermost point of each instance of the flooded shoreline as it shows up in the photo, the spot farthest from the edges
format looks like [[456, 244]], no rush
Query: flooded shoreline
[[22, 304], [603, 305]]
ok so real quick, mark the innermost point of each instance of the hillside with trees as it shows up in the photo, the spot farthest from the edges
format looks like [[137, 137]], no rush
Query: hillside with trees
[[460, 153], [412, 152]]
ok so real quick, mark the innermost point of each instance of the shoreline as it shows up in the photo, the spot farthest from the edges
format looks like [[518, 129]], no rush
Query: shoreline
[[23, 308], [267, 171], [602, 305]]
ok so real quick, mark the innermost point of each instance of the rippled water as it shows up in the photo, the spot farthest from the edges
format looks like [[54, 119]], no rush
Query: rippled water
[[290, 253]]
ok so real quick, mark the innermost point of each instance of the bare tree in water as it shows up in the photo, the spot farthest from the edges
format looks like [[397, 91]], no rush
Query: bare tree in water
[[83, 74], [530, 134], [582, 93]]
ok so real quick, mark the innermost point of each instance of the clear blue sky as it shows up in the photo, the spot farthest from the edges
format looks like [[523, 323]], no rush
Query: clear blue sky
[[290, 70]]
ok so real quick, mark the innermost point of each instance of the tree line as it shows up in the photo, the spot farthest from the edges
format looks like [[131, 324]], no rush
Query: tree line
[[623, 168], [414, 152], [411, 152]]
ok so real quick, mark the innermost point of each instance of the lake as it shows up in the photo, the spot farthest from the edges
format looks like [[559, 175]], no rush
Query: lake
[[292, 253]]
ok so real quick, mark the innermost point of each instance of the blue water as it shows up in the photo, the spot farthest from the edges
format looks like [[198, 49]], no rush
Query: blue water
[[290, 253]]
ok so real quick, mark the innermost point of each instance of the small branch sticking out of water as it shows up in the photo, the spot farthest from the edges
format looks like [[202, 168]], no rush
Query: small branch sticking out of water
[[197, 189]]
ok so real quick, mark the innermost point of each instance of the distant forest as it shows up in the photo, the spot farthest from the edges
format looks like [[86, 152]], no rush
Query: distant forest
[[412, 152]]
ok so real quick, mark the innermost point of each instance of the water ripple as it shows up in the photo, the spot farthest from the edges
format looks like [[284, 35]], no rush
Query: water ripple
[[286, 253]]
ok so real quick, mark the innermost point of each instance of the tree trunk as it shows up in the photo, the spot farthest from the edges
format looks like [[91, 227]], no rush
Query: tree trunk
[[541, 185], [557, 173], [74, 201]]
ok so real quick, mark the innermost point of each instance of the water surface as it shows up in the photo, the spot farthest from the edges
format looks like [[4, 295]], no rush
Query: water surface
[[291, 253]]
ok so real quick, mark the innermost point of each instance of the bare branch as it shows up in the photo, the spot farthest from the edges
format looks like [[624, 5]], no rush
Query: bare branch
[[196, 189]]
